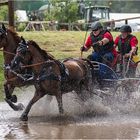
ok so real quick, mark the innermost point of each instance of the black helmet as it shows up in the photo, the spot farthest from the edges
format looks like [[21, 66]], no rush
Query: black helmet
[[126, 28], [96, 26]]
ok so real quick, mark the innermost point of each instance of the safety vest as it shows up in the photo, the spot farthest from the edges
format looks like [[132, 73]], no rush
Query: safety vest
[[107, 47], [124, 47]]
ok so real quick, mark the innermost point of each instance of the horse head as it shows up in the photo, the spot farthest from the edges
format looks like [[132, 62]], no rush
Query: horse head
[[22, 55], [26, 52]]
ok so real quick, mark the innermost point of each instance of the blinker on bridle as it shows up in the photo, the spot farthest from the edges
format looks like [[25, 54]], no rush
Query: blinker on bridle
[[22, 49], [2, 31]]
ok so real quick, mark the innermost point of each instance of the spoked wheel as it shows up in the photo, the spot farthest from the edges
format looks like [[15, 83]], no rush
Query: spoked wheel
[[137, 76], [138, 69]]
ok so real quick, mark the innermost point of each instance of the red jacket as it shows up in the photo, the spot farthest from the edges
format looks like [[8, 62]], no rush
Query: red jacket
[[133, 41], [107, 35]]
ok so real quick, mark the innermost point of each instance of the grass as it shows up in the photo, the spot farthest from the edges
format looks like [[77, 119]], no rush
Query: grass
[[61, 44]]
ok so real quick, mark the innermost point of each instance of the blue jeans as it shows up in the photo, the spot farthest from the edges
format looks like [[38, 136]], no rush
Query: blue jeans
[[102, 56]]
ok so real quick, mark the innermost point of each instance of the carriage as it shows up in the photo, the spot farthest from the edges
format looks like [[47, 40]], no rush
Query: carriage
[[121, 78]]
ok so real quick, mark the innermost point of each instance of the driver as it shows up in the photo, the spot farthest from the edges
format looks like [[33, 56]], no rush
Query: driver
[[102, 42]]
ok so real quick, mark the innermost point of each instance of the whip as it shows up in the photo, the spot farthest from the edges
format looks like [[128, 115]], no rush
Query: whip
[[127, 67], [84, 41]]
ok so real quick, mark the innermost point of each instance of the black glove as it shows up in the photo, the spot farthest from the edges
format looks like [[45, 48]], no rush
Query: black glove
[[82, 48], [96, 46]]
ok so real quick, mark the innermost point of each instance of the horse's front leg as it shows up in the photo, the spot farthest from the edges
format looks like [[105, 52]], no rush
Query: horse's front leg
[[59, 101], [8, 89], [11, 99], [37, 96]]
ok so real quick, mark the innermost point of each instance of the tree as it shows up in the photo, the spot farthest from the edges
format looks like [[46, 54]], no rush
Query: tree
[[64, 10], [31, 5]]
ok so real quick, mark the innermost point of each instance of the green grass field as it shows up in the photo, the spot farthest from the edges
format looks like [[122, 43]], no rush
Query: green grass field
[[61, 44]]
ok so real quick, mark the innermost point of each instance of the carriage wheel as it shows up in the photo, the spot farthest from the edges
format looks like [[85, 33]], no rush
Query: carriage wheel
[[137, 75], [138, 69]]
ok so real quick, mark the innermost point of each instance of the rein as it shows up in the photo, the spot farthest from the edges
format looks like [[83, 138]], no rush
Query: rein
[[27, 66], [8, 52]]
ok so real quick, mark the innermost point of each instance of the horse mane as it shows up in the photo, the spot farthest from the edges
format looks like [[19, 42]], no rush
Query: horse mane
[[15, 35], [45, 54]]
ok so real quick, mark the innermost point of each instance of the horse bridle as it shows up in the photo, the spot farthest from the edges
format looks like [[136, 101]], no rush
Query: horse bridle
[[3, 34], [20, 55]]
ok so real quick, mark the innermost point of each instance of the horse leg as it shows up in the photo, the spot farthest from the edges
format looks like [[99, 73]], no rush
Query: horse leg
[[81, 88], [8, 89], [59, 101], [83, 91], [37, 96], [11, 99]]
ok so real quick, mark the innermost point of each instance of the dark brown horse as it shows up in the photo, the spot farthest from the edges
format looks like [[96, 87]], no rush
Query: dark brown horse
[[50, 76], [9, 41]]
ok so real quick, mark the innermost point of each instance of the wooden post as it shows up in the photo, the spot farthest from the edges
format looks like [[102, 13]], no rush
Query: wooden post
[[126, 21], [11, 14]]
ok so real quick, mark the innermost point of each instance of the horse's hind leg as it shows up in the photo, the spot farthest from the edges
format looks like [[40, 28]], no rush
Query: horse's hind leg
[[59, 101], [37, 96]]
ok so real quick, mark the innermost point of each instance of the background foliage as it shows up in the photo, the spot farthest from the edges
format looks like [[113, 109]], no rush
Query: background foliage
[[3, 13], [67, 10]]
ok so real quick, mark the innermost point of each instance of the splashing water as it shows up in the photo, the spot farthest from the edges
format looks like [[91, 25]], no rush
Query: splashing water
[[94, 118], [73, 106]]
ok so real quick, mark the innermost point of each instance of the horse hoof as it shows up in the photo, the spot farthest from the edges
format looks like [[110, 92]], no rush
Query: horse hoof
[[14, 99], [24, 118], [12, 105]]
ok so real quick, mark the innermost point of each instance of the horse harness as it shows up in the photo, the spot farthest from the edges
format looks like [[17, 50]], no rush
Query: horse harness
[[3, 33], [43, 75], [64, 73]]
